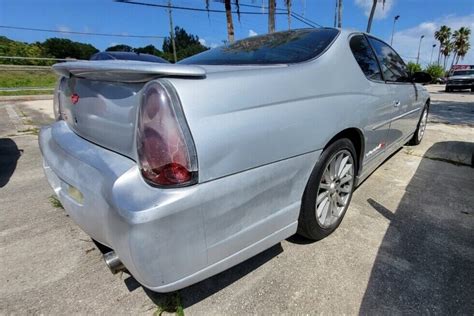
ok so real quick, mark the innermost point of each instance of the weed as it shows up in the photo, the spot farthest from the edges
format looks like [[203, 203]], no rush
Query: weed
[[55, 202], [170, 303]]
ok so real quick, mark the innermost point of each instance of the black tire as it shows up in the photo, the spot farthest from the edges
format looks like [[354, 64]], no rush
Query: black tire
[[448, 89], [472, 89], [416, 139], [308, 225]]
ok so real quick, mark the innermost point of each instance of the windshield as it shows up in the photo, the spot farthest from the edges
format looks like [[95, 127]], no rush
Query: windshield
[[464, 72], [276, 48]]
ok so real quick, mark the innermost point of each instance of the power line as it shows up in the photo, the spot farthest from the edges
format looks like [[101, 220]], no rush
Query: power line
[[79, 33], [191, 8], [303, 21], [297, 16]]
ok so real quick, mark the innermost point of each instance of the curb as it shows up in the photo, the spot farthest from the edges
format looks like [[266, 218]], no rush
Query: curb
[[26, 97]]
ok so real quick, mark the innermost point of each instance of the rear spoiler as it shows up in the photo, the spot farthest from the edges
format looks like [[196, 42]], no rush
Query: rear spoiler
[[126, 71]]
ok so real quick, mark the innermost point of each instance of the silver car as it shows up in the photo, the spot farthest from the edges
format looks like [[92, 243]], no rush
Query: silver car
[[461, 79], [180, 171]]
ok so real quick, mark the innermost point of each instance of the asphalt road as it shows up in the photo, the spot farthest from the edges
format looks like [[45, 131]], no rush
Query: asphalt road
[[405, 246]]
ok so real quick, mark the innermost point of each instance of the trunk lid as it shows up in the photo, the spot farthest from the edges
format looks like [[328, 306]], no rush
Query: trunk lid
[[99, 99]]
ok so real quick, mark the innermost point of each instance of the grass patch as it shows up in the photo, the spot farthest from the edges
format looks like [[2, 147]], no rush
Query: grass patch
[[26, 92], [27, 78], [55, 202], [170, 303]]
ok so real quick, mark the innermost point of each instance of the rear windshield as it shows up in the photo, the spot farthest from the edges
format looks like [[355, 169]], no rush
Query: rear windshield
[[276, 48], [128, 56]]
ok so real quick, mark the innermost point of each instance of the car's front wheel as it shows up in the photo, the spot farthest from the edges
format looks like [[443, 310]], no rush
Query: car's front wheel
[[329, 191]]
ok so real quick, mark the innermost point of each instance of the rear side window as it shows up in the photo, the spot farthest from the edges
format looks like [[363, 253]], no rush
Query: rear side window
[[365, 57], [393, 67], [277, 48]]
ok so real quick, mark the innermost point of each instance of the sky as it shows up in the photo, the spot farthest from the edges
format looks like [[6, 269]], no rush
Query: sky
[[417, 17]]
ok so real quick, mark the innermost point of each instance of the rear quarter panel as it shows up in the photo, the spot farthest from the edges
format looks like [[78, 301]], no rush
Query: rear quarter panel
[[248, 118]]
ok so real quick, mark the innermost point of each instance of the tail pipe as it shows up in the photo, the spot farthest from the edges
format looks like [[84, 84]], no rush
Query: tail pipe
[[113, 262]]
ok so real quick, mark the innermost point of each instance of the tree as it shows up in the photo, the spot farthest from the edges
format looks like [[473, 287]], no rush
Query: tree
[[10, 47], [435, 71], [372, 12], [119, 48], [339, 13], [65, 48], [186, 45], [413, 67], [461, 43], [288, 12], [442, 35], [149, 49], [228, 15], [271, 15], [446, 52]]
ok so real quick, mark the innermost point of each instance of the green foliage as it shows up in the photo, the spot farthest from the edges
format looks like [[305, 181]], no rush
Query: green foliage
[[55, 202], [120, 48], [9, 47], [436, 71], [65, 48], [149, 49], [186, 45], [413, 67], [51, 48], [23, 78]]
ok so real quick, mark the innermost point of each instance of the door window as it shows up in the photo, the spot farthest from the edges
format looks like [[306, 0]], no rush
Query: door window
[[365, 57], [393, 67]]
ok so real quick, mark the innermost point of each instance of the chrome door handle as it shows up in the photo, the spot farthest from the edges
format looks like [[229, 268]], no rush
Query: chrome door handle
[[397, 104]]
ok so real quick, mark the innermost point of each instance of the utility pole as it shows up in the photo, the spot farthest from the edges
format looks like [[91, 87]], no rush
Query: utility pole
[[335, 15], [172, 32], [393, 28], [432, 50], [419, 47], [339, 14]]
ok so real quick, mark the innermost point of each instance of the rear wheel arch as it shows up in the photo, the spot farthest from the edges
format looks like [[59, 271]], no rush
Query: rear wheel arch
[[356, 136]]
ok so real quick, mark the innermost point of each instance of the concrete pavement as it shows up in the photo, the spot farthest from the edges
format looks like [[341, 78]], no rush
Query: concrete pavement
[[406, 244]]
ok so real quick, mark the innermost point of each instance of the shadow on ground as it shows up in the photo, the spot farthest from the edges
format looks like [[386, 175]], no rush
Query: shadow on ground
[[425, 264], [193, 294], [453, 112], [9, 155]]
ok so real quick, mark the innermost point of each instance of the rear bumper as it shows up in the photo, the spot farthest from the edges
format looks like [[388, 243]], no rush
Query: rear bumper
[[171, 238]]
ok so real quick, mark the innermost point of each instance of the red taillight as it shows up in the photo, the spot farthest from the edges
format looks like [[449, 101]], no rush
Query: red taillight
[[57, 108], [166, 151]]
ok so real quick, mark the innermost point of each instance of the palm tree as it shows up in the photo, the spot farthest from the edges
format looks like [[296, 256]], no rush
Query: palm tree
[[461, 43], [446, 51], [228, 14], [442, 35], [372, 12], [288, 12], [271, 15], [339, 13]]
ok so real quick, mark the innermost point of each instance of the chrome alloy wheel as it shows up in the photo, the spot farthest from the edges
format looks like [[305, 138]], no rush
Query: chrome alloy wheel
[[422, 127], [335, 188]]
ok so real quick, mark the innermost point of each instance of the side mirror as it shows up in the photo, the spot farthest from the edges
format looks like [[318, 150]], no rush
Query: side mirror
[[421, 77]]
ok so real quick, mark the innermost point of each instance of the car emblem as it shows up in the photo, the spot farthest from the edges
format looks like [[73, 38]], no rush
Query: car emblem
[[75, 98]]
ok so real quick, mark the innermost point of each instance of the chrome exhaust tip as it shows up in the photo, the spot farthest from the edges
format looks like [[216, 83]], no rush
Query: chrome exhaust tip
[[113, 262]]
